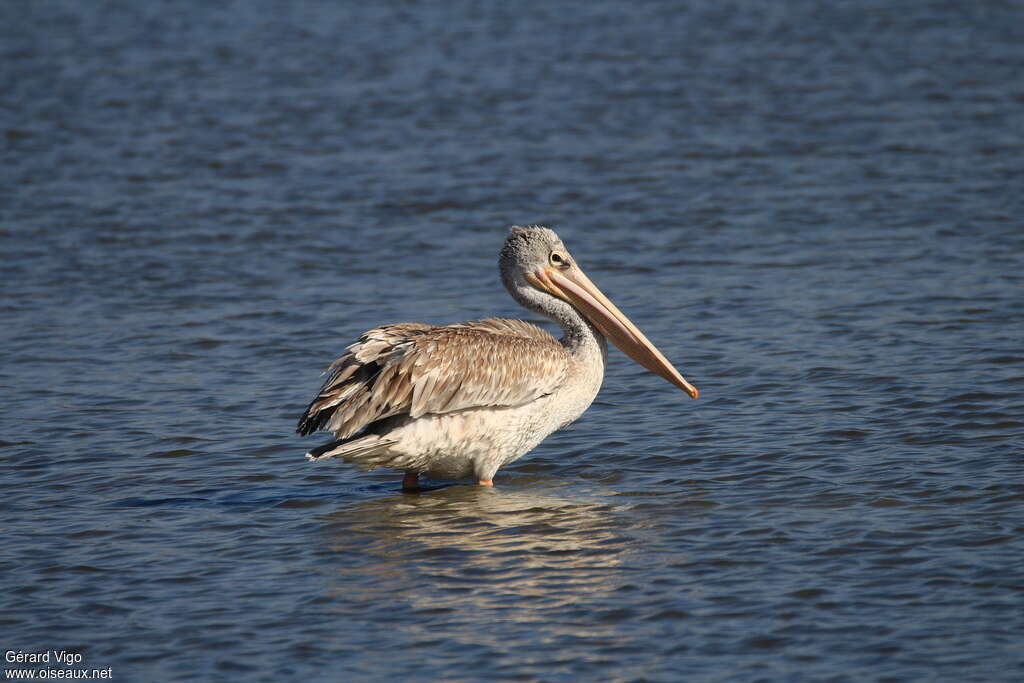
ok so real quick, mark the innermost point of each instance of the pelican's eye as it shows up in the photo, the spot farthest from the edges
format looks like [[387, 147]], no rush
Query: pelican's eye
[[559, 259]]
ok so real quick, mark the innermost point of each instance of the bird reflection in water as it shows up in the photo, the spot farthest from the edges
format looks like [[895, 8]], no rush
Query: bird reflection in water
[[522, 554]]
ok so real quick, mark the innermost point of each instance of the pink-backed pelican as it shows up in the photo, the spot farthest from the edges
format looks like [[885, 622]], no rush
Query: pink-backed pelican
[[460, 401]]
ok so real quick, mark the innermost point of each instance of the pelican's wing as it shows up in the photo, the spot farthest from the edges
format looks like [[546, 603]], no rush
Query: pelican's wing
[[413, 369]]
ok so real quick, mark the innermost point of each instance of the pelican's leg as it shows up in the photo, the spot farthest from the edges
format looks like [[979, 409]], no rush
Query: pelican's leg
[[485, 471], [411, 481]]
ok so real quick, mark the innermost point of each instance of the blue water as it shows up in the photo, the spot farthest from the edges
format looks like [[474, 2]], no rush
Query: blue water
[[813, 209]]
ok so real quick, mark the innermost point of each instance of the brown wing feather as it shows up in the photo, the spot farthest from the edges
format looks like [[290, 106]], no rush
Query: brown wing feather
[[416, 369]]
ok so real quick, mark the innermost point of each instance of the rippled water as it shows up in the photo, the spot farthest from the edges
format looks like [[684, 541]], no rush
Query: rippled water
[[813, 209]]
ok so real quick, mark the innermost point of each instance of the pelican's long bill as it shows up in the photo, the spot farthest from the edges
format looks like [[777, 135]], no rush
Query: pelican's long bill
[[573, 286]]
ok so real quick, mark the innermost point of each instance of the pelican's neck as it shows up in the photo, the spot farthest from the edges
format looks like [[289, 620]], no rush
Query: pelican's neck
[[579, 337]]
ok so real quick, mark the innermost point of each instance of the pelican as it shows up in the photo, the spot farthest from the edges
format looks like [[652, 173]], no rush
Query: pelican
[[463, 400]]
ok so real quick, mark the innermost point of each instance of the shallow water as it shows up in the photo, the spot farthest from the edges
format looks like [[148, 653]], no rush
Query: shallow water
[[813, 210]]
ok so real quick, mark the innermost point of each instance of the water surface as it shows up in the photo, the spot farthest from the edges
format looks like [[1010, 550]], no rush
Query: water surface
[[813, 210]]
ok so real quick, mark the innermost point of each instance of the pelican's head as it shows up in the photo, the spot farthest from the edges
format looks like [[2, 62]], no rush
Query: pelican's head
[[537, 269]]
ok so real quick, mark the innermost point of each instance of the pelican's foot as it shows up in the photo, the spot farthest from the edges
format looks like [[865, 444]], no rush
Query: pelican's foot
[[411, 481], [485, 482]]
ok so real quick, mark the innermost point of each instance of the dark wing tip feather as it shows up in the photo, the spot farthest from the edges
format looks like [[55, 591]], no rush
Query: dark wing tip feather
[[315, 418], [313, 421], [343, 373]]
